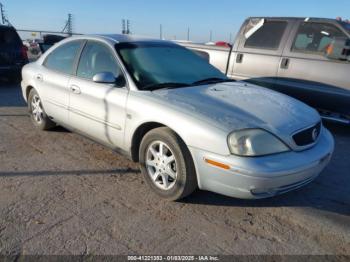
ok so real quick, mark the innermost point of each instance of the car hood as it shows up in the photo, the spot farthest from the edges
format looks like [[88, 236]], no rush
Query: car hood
[[237, 105]]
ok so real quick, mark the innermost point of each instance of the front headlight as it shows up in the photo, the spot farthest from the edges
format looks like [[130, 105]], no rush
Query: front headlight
[[255, 142]]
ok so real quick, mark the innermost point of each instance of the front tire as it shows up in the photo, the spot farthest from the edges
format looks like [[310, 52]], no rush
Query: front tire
[[167, 164], [37, 112]]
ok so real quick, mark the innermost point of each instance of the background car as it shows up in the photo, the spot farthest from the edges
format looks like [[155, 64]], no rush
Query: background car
[[13, 54], [48, 41]]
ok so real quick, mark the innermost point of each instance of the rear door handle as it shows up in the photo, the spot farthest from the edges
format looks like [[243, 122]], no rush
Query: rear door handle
[[284, 63], [75, 89], [239, 58], [39, 77]]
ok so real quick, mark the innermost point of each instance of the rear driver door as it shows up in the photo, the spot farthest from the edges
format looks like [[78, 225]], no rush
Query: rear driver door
[[53, 77]]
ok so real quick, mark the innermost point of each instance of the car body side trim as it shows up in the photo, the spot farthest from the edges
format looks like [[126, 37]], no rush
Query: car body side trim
[[80, 113], [56, 104]]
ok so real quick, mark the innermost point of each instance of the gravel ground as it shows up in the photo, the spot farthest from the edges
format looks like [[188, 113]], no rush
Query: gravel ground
[[63, 194]]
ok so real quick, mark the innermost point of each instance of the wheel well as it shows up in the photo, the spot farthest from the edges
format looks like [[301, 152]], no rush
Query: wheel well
[[140, 132], [29, 88]]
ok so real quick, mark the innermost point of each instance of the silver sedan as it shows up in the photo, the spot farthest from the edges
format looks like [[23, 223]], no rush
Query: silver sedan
[[185, 122]]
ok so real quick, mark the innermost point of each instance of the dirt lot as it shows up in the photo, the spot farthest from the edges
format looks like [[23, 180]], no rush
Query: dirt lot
[[63, 194]]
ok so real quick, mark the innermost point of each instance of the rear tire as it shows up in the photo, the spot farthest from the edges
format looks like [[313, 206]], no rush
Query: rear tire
[[167, 164], [37, 113]]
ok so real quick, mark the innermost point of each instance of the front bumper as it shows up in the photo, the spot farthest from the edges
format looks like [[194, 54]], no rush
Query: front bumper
[[262, 177]]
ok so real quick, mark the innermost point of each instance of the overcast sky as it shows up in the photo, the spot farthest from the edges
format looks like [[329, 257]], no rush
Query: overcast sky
[[223, 17]]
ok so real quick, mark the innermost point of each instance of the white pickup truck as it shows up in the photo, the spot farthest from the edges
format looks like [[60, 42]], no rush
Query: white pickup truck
[[307, 58]]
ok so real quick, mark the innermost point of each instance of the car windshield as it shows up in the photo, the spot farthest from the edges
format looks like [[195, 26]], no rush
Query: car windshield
[[166, 65]]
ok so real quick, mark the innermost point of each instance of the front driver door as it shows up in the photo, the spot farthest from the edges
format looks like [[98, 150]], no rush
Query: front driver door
[[96, 109]]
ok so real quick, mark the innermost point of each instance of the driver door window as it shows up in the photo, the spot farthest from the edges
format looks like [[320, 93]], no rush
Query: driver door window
[[97, 58], [315, 38]]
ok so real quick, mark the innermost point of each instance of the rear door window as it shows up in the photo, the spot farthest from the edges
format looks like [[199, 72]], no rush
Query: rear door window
[[63, 57], [267, 36], [315, 37]]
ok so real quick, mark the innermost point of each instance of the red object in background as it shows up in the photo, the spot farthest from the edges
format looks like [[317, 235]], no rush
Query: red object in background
[[223, 44], [24, 51]]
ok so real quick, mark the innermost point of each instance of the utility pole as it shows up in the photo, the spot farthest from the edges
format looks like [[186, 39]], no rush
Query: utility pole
[[4, 19], [123, 27], [126, 27], [70, 24], [68, 28], [211, 36], [160, 31], [188, 34], [2, 14]]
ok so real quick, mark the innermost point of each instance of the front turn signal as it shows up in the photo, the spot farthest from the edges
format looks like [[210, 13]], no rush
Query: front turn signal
[[217, 164]]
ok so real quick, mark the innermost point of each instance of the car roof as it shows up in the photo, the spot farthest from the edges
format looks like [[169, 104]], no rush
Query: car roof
[[120, 38], [310, 19]]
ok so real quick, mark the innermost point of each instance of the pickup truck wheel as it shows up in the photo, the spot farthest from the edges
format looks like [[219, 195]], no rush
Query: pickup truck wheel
[[167, 165], [37, 112]]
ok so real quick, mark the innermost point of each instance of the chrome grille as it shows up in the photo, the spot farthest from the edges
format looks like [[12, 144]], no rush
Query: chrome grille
[[307, 136]]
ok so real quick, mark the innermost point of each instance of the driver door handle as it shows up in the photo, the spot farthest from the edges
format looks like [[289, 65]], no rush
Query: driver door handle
[[284, 63], [75, 89]]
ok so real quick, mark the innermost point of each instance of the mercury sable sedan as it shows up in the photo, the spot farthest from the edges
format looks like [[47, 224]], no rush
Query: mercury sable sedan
[[185, 122]]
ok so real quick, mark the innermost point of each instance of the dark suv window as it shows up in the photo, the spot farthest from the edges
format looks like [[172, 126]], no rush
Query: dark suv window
[[268, 36], [9, 36], [97, 58], [62, 58], [315, 37]]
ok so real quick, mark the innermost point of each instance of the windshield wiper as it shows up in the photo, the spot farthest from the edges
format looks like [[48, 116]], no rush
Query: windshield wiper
[[170, 85], [212, 80]]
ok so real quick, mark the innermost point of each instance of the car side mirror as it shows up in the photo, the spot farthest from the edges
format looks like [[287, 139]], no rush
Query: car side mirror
[[339, 49], [104, 78]]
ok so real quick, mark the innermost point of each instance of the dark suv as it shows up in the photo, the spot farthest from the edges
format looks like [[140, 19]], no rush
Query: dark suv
[[13, 55]]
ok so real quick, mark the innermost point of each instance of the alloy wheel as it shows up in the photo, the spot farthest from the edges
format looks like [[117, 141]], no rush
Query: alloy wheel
[[37, 109], [161, 165]]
